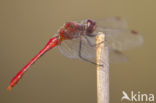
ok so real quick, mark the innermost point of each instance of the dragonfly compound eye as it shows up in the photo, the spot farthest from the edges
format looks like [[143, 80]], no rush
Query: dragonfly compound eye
[[91, 25]]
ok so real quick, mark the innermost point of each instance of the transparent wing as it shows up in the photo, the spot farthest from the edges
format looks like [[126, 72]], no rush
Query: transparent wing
[[70, 48], [121, 39], [88, 47], [118, 37], [113, 23], [117, 57]]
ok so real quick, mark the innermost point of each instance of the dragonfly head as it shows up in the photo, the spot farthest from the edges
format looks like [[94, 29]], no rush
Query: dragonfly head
[[91, 26]]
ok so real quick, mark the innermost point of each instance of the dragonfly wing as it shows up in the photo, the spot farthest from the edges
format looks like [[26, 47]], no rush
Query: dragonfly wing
[[88, 49], [121, 39], [70, 48], [117, 57], [112, 22]]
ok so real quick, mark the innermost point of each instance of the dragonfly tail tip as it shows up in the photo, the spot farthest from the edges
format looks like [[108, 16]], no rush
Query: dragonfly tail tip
[[9, 87]]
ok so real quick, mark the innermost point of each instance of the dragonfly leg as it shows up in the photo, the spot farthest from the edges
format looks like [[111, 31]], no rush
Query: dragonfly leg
[[81, 57], [90, 34], [90, 44]]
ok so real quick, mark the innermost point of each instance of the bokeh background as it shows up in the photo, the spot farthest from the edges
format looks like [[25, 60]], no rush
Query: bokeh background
[[27, 25]]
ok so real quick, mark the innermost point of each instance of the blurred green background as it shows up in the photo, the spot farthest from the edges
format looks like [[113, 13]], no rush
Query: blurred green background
[[27, 25]]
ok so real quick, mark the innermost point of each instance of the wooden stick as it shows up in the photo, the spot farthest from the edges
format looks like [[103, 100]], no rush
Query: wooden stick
[[102, 54]]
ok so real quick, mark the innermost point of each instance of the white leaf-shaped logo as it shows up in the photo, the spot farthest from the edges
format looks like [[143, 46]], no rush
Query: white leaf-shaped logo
[[125, 96]]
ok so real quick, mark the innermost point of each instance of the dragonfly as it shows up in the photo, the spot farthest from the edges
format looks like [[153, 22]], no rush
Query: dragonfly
[[77, 39]]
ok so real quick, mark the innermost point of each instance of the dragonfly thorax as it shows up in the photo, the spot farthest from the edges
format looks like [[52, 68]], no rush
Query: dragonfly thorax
[[71, 30]]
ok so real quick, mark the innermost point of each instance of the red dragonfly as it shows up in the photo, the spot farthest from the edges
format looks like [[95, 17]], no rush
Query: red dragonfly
[[77, 40]]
